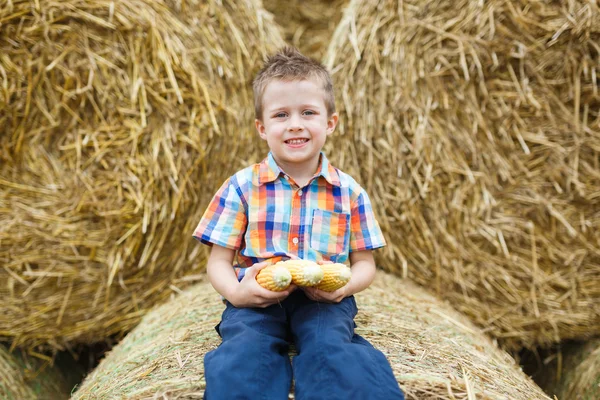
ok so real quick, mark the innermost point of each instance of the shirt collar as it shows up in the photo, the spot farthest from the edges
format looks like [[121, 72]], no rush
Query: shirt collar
[[268, 170]]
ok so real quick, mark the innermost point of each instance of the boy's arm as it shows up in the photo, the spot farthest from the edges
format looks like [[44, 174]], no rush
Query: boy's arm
[[247, 293], [363, 268], [363, 273]]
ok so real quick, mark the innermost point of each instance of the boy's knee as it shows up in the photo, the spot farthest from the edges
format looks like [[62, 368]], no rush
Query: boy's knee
[[330, 338]]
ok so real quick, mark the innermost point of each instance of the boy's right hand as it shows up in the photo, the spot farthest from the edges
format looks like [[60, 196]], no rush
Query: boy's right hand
[[250, 294]]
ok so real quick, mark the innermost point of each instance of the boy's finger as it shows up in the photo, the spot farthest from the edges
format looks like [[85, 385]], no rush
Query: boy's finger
[[253, 270], [261, 265], [271, 295], [276, 295]]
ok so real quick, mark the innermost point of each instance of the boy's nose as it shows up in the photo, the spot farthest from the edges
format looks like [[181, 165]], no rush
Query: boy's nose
[[295, 123]]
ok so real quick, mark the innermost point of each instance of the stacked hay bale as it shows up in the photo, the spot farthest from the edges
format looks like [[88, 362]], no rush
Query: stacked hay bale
[[116, 121], [475, 127], [307, 24], [23, 377], [435, 352], [574, 371], [581, 372]]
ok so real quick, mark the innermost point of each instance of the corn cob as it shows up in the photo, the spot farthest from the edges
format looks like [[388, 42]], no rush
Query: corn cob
[[304, 272], [274, 277], [335, 276]]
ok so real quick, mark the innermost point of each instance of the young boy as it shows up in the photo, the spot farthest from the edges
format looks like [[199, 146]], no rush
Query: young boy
[[293, 204]]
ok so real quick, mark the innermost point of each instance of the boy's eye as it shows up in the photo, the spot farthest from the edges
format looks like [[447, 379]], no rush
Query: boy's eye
[[280, 115], [309, 112]]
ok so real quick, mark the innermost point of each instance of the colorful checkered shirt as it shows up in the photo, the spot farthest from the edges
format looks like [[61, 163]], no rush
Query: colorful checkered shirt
[[264, 215]]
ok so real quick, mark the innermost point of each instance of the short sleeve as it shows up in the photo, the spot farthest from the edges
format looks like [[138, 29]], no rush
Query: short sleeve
[[224, 221], [365, 233]]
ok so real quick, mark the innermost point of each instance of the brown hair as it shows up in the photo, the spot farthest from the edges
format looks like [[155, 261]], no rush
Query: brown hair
[[289, 64]]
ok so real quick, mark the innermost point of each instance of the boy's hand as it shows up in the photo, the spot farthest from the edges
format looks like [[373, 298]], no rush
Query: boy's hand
[[325, 297], [250, 294]]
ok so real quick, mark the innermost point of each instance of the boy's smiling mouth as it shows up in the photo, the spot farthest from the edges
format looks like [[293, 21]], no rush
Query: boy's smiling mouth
[[296, 141]]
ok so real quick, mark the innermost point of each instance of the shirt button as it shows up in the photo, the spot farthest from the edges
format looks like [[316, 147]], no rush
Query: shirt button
[[299, 192], [295, 240]]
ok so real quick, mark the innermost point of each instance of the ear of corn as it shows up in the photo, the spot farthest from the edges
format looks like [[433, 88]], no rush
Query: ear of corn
[[335, 276], [274, 277], [304, 272]]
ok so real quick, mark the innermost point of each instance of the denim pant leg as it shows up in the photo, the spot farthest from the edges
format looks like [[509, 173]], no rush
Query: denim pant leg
[[252, 362], [333, 362]]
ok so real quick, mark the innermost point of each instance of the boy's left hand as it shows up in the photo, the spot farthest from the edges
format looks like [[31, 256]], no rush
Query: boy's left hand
[[325, 297]]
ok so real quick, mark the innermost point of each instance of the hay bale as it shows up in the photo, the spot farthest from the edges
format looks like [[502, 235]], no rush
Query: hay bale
[[115, 130], [573, 372], [580, 372], [307, 24], [435, 352], [475, 128], [25, 377]]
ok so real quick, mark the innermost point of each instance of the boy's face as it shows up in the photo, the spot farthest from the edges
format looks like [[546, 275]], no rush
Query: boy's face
[[295, 123]]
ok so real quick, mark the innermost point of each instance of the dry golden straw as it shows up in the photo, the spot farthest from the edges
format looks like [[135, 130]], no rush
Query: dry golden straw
[[475, 128], [574, 371], [116, 120], [307, 24], [24, 377], [435, 352]]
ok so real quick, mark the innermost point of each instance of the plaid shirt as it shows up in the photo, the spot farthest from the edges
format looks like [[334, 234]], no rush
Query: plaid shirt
[[264, 215]]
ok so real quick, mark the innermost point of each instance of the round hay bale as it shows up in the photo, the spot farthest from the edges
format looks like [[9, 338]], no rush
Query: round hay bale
[[475, 128], [574, 371], [116, 120], [24, 377], [435, 352], [307, 25]]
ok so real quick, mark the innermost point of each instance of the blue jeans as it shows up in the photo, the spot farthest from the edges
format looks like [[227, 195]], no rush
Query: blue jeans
[[332, 363]]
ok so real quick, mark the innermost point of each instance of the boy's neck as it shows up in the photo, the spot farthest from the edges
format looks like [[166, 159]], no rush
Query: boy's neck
[[300, 173], [301, 181]]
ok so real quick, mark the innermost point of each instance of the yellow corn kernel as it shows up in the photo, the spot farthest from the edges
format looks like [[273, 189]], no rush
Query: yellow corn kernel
[[335, 276], [275, 278], [304, 272]]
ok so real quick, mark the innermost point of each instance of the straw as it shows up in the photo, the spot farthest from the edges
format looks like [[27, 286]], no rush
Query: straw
[[25, 377], [435, 352], [475, 128], [307, 24], [573, 371], [116, 126]]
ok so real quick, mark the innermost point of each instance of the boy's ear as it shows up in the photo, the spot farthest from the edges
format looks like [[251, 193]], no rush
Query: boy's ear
[[260, 128], [332, 123]]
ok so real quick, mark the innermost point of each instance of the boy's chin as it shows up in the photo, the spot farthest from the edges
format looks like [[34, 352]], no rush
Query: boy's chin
[[298, 158]]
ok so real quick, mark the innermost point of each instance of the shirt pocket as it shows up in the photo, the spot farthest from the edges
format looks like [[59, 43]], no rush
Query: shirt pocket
[[329, 232]]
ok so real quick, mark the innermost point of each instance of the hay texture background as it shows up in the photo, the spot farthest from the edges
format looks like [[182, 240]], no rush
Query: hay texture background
[[475, 128], [307, 24], [435, 352], [116, 121], [574, 371], [25, 377]]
